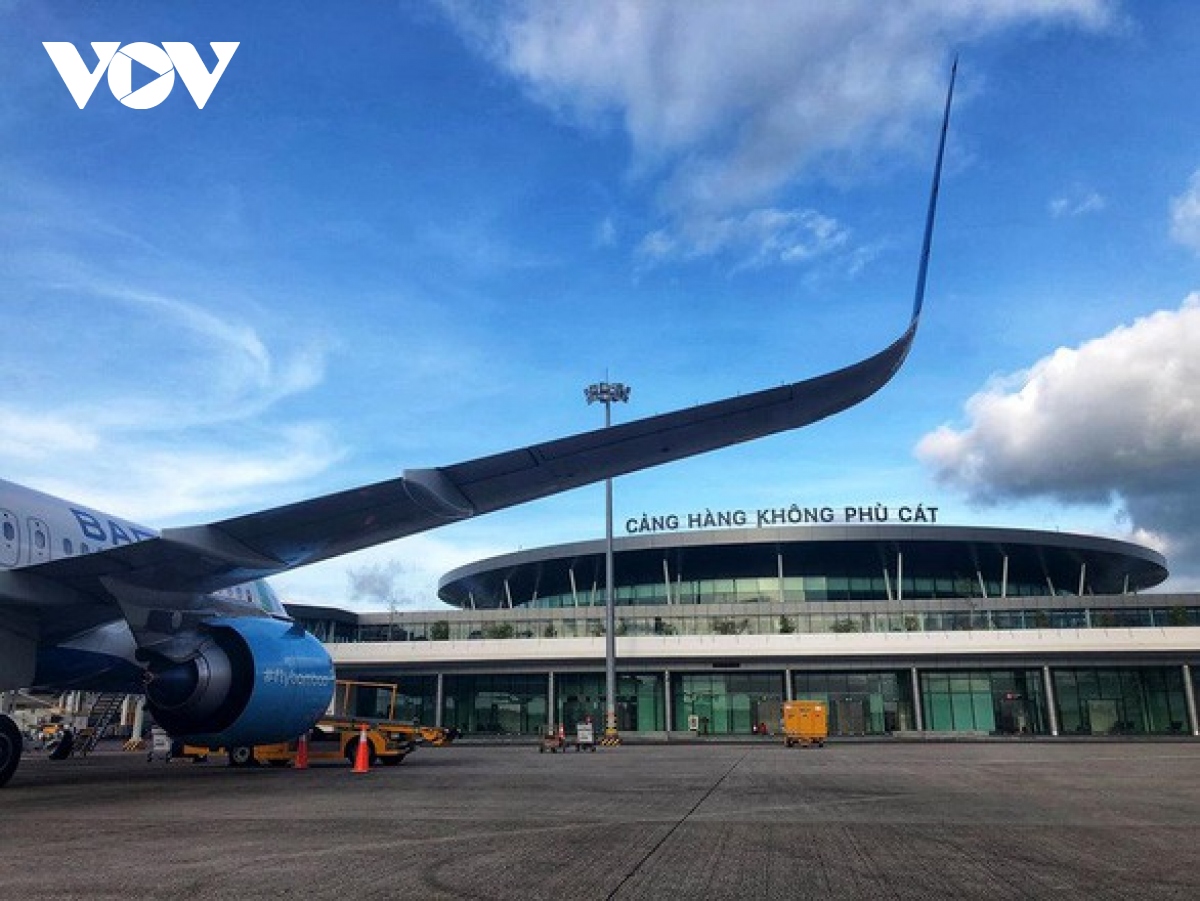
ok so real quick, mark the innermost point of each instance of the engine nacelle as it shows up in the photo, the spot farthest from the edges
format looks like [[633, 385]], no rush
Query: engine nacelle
[[252, 681]]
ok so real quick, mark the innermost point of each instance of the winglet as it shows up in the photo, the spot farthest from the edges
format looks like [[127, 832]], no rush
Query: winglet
[[919, 299]]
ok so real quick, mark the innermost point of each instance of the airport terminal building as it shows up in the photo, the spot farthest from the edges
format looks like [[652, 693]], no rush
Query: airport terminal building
[[910, 629]]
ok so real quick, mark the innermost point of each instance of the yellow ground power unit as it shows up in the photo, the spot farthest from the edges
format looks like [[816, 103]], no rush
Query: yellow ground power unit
[[805, 723]]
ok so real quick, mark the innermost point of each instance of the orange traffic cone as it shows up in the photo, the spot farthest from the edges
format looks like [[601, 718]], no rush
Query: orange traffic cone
[[362, 757], [301, 762]]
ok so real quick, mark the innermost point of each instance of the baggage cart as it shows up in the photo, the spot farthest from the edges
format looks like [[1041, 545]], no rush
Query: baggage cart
[[585, 737], [551, 740]]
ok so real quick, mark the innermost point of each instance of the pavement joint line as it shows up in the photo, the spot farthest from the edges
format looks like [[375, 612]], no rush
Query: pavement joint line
[[683, 819]]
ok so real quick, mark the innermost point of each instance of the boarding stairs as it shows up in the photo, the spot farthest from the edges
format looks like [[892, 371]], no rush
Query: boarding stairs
[[106, 709]]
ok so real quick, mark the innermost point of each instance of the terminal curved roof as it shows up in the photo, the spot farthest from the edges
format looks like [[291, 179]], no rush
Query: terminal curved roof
[[1058, 560]]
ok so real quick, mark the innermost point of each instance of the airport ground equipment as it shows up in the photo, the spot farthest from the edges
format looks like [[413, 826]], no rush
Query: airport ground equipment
[[585, 737], [58, 728], [378, 702], [337, 735], [161, 746], [58, 740], [805, 723], [106, 710], [438, 736], [552, 740], [334, 740]]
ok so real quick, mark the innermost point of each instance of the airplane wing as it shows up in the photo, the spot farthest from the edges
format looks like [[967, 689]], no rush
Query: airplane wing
[[205, 558], [232, 551], [257, 544]]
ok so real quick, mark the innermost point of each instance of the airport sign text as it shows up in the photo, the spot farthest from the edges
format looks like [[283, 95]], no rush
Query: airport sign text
[[794, 515]]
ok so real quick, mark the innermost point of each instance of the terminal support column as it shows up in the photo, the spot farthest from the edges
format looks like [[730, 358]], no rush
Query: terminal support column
[[787, 685], [438, 701], [918, 707], [1050, 705], [1189, 694], [551, 710], [667, 699]]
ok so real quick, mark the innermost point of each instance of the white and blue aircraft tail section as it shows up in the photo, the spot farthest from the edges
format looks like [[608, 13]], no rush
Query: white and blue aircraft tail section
[[93, 601]]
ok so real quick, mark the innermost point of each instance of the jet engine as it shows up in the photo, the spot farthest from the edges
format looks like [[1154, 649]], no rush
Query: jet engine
[[250, 681]]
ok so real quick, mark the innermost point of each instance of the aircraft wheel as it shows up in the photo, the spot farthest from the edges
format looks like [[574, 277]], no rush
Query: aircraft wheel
[[10, 748], [242, 755]]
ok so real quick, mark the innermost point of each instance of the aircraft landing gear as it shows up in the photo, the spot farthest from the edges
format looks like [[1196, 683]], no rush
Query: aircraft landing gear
[[11, 746], [242, 755]]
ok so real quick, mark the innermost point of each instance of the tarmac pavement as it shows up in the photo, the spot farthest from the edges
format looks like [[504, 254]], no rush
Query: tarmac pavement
[[890, 820]]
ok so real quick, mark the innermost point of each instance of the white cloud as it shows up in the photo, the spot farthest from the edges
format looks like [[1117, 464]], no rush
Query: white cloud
[[1077, 202], [606, 233], [162, 411], [1185, 215], [155, 482], [730, 100], [757, 238], [229, 369], [33, 436], [1116, 419]]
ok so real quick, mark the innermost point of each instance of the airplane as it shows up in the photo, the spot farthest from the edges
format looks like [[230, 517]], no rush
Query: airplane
[[96, 602]]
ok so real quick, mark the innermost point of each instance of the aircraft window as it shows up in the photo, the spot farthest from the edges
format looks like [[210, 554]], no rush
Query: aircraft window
[[9, 532], [83, 548], [39, 539], [68, 548]]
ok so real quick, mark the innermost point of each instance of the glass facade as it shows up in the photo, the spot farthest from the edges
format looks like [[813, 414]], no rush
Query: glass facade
[[1088, 701], [1125, 701], [757, 619], [500, 704], [871, 703], [1007, 702], [813, 564], [726, 703], [769, 587], [579, 698], [417, 699]]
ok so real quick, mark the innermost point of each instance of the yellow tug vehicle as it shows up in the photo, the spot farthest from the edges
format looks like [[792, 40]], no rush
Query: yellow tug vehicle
[[358, 709]]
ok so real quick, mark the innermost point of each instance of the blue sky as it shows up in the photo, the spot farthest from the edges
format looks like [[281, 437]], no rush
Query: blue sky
[[409, 234]]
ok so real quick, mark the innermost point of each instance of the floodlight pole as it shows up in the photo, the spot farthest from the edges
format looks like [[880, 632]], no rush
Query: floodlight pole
[[609, 393]]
